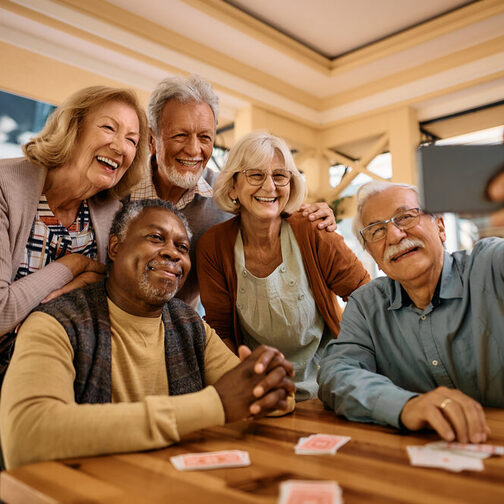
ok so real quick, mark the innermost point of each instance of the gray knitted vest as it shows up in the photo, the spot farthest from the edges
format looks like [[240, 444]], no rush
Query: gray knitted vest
[[85, 317]]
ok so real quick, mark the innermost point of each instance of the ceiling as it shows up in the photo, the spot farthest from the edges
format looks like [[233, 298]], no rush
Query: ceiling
[[333, 28], [318, 62]]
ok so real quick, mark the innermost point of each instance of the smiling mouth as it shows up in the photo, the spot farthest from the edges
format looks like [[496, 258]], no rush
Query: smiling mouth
[[169, 272], [402, 254], [265, 200], [109, 163], [189, 163]]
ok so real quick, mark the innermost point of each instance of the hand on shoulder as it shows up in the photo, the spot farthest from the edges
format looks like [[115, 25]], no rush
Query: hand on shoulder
[[320, 211]]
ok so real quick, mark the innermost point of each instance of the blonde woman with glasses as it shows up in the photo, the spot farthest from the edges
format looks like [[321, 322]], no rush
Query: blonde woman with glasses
[[269, 276]]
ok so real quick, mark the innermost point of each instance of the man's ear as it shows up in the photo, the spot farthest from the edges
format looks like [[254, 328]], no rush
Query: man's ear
[[441, 228], [113, 246], [152, 143]]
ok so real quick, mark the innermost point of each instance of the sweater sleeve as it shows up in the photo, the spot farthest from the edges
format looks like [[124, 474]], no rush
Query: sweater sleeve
[[215, 291], [18, 298], [40, 420], [342, 269]]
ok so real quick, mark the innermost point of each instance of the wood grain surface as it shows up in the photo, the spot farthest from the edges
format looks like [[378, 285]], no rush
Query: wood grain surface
[[372, 467]]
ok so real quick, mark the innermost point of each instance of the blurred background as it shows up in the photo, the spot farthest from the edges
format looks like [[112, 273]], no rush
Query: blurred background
[[354, 87]]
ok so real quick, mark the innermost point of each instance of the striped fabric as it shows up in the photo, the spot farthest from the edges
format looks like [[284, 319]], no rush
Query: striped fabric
[[49, 239]]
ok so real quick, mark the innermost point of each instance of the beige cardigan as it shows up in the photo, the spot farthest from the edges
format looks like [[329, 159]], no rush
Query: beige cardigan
[[21, 184]]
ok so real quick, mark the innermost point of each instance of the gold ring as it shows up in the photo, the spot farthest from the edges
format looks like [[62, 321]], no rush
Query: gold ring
[[445, 403]]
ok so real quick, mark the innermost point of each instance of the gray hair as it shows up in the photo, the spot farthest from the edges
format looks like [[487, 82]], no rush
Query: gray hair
[[364, 192], [256, 150], [191, 89]]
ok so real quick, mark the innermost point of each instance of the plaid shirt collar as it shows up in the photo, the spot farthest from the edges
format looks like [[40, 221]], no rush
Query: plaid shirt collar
[[147, 190]]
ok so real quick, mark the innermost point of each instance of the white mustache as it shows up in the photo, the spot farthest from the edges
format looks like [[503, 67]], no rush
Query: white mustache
[[402, 246]]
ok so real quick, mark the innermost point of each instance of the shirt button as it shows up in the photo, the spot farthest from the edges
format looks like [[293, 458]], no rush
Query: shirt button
[[435, 362], [423, 317], [242, 290], [283, 269], [244, 273], [301, 297], [292, 282], [239, 306]]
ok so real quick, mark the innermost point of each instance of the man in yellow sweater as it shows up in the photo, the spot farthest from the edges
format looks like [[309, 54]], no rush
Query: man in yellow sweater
[[122, 365]]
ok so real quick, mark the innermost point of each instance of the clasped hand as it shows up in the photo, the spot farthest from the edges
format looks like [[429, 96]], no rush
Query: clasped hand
[[259, 384]]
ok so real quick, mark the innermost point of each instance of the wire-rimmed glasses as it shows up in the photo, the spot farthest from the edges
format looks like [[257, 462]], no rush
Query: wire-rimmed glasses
[[257, 177], [402, 220]]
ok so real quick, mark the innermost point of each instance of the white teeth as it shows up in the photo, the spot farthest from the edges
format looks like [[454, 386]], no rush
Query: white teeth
[[108, 161], [266, 200], [188, 162]]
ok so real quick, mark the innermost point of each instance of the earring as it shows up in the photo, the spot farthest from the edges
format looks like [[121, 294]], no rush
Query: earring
[[234, 200]]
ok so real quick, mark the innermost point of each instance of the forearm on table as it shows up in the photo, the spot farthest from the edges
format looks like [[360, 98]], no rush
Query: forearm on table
[[20, 297], [361, 395], [46, 429], [39, 419]]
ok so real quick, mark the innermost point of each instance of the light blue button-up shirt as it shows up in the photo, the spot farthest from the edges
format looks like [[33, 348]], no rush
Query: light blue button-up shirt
[[389, 351]]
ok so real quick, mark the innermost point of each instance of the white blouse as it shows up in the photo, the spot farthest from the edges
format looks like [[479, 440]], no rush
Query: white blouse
[[280, 311]]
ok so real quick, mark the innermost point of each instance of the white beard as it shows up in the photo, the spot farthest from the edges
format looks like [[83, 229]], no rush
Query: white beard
[[154, 295], [186, 180]]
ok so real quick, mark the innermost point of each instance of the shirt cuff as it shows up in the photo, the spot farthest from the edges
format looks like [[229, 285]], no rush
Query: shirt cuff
[[389, 405], [198, 410]]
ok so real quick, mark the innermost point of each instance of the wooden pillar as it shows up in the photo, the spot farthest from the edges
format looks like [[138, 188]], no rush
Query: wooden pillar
[[315, 167], [404, 137], [248, 119]]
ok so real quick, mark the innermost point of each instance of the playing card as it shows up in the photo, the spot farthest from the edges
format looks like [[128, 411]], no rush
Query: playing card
[[320, 444], [427, 457], [211, 460], [469, 450], [310, 492]]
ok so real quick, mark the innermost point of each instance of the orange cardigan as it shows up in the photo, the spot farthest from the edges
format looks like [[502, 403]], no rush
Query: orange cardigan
[[332, 269]]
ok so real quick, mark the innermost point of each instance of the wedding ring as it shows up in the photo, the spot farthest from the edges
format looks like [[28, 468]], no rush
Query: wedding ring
[[445, 403]]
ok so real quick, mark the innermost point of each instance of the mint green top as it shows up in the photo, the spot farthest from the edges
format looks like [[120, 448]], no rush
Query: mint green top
[[279, 310]]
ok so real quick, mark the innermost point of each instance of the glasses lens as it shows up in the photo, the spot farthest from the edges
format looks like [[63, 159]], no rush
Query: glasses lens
[[257, 177], [375, 232], [402, 220], [281, 177], [406, 219]]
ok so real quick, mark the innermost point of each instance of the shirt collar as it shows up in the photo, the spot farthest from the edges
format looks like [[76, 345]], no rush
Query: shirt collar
[[449, 286], [451, 279]]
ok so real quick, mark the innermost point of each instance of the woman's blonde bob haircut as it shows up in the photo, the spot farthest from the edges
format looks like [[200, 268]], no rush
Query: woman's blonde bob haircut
[[256, 150], [53, 146]]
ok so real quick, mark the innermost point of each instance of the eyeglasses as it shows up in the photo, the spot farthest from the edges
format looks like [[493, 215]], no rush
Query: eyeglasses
[[403, 220], [257, 177]]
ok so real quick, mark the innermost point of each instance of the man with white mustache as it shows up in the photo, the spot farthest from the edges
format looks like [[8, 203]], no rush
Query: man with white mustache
[[422, 347], [183, 115]]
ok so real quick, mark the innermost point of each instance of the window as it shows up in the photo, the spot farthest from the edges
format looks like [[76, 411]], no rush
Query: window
[[20, 119]]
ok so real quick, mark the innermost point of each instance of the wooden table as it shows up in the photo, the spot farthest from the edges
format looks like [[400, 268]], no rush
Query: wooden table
[[372, 468]]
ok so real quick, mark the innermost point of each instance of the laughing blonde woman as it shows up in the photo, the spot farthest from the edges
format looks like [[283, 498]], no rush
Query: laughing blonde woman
[[269, 275]]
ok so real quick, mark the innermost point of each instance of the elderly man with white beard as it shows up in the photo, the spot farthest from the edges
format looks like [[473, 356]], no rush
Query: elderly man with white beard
[[422, 347], [183, 114]]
